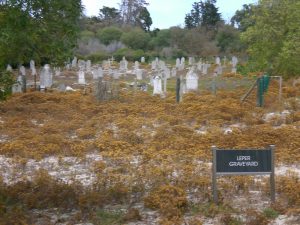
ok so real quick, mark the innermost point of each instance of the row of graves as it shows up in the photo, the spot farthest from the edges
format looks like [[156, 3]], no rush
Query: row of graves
[[82, 74]]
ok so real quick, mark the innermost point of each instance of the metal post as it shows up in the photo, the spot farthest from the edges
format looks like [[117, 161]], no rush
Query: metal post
[[272, 175], [214, 176]]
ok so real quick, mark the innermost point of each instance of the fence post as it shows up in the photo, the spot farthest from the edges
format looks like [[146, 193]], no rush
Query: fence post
[[178, 90]]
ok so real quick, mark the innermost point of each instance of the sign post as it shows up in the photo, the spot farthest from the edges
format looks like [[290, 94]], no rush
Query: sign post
[[243, 162]]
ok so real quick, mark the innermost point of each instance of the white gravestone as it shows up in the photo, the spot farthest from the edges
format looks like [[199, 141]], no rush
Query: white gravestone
[[157, 87], [177, 63], [32, 67], [139, 74], [22, 71], [74, 62], [218, 60], [81, 77], [9, 68], [192, 80], [143, 60], [46, 78]]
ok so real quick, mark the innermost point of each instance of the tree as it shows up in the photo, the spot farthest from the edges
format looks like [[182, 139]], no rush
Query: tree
[[243, 18], [109, 15], [136, 39], [134, 13], [46, 31], [273, 41], [109, 34], [144, 20], [203, 14], [228, 39]]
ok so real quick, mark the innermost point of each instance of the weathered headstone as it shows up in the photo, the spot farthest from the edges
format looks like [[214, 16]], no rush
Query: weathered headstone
[[74, 62], [191, 61], [81, 77], [174, 72], [177, 63], [157, 86], [22, 71], [192, 80], [32, 67], [143, 60], [81, 64], [139, 74], [218, 60], [88, 66], [9, 68], [123, 65], [234, 63], [46, 77]]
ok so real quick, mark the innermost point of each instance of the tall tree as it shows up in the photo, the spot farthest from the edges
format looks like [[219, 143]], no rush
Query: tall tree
[[46, 31], [135, 13], [274, 40], [243, 18], [109, 15], [203, 13]]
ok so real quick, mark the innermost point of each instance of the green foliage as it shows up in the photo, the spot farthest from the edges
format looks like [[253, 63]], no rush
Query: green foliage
[[109, 34], [270, 213], [6, 82], [136, 39], [97, 57], [228, 39], [162, 39], [274, 39], [131, 55], [109, 218], [46, 31], [109, 15], [203, 14], [144, 19], [243, 18]]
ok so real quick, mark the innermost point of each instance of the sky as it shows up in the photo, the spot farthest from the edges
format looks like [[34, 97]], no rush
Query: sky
[[167, 13]]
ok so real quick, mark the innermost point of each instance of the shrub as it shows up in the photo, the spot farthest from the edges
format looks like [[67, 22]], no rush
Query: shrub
[[109, 34]]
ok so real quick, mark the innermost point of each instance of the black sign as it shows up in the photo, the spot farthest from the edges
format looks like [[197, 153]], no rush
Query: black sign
[[243, 161]]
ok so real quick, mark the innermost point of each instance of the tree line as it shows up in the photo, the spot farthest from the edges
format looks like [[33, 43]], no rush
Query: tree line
[[53, 31]]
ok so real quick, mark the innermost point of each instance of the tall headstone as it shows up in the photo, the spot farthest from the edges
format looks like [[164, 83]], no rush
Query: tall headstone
[[32, 68], [88, 66], [74, 62], [46, 77], [177, 63], [22, 71], [191, 80], [234, 62], [139, 74], [218, 60], [81, 77], [157, 86]]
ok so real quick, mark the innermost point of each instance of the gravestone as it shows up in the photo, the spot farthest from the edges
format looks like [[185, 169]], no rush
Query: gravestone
[[191, 80], [81, 65], [205, 68], [143, 60], [97, 73], [81, 77], [191, 61], [17, 87], [123, 65], [219, 70], [234, 62], [46, 77], [9, 68], [157, 86], [88, 66], [57, 71], [62, 87], [218, 60], [182, 64], [74, 62], [177, 63], [22, 71], [136, 65], [32, 67], [167, 72], [139, 74], [174, 72]]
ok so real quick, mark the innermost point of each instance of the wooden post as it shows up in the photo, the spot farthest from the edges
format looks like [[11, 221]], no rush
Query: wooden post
[[178, 90], [272, 175], [214, 176]]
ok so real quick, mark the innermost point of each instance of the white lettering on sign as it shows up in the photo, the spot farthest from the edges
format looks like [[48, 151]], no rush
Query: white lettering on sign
[[241, 161]]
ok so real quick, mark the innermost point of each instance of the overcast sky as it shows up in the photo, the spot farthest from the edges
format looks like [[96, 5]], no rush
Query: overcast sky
[[167, 13]]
